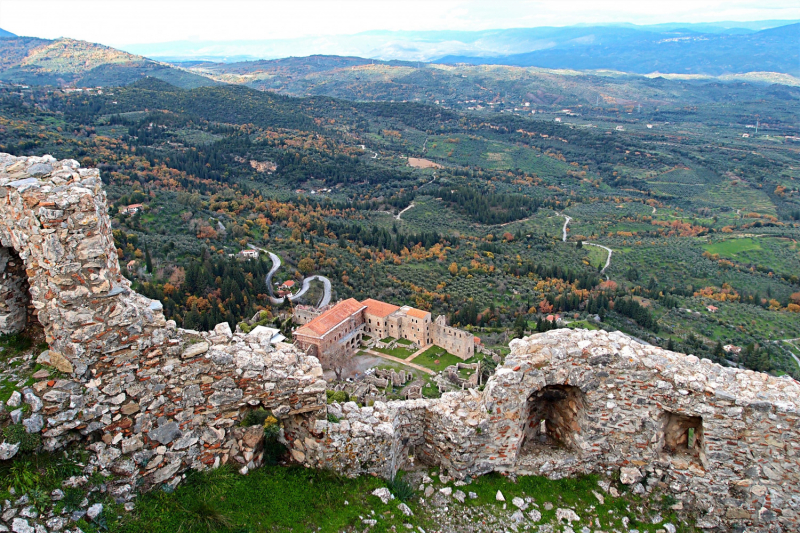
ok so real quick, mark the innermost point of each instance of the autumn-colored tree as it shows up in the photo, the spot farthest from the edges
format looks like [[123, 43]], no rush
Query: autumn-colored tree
[[306, 265], [545, 307], [453, 269]]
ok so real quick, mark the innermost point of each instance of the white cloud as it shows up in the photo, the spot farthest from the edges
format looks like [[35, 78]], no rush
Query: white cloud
[[116, 22]]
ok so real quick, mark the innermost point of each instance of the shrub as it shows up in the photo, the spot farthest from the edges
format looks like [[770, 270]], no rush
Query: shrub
[[23, 477], [340, 396], [203, 515], [273, 449], [400, 488], [256, 417]]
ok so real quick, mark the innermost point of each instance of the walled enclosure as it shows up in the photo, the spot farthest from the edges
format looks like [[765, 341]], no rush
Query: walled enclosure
[[152, 400]]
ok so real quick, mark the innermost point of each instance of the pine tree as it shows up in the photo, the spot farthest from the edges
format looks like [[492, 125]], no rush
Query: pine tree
[[148, 261]]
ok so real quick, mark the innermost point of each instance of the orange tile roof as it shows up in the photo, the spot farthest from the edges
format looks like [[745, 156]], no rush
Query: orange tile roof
[[330, 318], [289, 283], [417, 313], [378, 308]]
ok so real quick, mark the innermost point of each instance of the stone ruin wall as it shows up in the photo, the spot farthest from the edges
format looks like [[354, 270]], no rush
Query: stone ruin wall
[[458, 342], [152, 400], [53, 217], [149, 399], [611, 405]]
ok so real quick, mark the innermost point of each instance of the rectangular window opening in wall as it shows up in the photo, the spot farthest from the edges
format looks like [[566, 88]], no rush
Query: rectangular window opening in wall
[[683, 436]]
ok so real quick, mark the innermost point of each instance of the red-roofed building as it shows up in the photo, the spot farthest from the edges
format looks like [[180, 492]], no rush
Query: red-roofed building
[[339, 328], [375, 316], [131, 209], [342, 327]]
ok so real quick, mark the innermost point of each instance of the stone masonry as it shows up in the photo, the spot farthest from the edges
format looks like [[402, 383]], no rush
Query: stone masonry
[[721, 440], [151, 400]]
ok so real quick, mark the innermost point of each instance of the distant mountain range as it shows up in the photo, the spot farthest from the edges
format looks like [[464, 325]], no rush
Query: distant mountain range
[[677, 51], [768, 55], [4, 33], [711, 48], [35, 61]]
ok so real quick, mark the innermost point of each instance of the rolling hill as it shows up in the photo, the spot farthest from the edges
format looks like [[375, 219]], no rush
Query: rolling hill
[[482, 86], [65, 62], [4, 34]]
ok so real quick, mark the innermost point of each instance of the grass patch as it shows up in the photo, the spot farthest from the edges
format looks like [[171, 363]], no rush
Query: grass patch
[[582, 324], [268, 499], [15, 344], [436, 358], [402, 353], [733, 247]]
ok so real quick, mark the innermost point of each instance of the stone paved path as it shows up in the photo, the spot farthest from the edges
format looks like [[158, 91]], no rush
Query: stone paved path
[[401, 361]]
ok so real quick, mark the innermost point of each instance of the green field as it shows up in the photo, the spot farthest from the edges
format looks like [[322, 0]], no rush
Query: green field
[[733, 248], [429, 358], [402, 353]]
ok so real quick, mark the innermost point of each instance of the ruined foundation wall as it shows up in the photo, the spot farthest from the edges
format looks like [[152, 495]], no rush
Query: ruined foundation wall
[[744, 467], [456, 341]]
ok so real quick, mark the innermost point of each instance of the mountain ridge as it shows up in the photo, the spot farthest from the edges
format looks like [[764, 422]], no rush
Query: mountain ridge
[[774, 49], [471, 46], [65, 62]]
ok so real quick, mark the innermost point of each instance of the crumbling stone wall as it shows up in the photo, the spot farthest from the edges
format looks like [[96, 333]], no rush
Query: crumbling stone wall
[[149, 399], [53, 214], [456, 341], [634, 407]]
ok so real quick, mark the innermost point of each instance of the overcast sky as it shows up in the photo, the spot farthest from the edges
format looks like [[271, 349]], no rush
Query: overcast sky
[[118, 22]]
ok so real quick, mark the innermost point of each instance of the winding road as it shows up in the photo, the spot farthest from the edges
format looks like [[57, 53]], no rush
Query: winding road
[[276, 264], [791, 342], [374, 154], [412, 204], [567, 220], [397, 216], [608, 259]]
